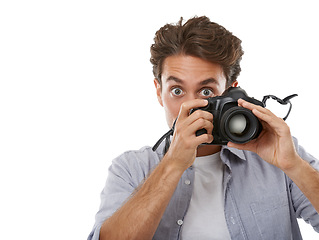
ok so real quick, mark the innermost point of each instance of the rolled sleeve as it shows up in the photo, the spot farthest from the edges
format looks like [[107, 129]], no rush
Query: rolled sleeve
[[303, 207], [124, 176], [95, 233]]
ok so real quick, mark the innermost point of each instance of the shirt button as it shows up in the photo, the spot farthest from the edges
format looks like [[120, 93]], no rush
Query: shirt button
[[180, 222], [187, 182]]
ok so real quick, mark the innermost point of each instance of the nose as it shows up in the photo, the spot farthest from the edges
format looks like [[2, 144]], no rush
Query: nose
[[192, 96]]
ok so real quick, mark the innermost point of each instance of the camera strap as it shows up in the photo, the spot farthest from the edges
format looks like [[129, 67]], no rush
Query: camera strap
[[284, 101], [166, 136]]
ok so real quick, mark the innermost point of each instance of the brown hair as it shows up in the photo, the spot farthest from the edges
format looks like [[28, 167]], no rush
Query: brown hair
[[198, 37]]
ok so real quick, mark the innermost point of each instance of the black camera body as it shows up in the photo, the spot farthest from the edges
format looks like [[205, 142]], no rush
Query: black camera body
[[231, 122]]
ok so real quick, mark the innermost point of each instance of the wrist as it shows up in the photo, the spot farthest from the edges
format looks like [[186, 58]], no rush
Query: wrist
[[296, 169], [173, 166]]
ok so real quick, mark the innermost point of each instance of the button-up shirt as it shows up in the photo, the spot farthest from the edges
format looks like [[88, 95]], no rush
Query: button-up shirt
[[260, 201]]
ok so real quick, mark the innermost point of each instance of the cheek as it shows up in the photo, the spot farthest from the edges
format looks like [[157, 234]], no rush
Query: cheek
[[172, 108]]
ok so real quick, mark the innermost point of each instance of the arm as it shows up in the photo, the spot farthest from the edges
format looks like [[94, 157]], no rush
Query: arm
[[139, 217], [307, 180], [275, 145]]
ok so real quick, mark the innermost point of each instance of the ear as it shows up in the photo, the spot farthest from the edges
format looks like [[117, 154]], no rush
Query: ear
[[234, 84], [158, 91]]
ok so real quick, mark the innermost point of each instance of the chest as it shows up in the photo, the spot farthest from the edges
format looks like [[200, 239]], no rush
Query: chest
[[255, 198]]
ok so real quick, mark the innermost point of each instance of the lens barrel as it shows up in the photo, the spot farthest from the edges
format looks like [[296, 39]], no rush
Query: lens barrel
[[239, 125]]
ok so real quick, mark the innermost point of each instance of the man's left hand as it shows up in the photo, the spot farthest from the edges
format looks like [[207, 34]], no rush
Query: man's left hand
[[274, 144]]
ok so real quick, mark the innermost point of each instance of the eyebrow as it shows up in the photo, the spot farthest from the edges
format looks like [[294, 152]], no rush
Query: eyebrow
[[202, 83], [208, 81]]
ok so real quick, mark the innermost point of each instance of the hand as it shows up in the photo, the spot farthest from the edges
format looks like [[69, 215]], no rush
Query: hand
[[274, 144], [183, 149]]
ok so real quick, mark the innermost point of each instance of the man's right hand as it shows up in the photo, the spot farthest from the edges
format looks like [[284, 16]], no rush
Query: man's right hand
[[183, 149], [148, 204]]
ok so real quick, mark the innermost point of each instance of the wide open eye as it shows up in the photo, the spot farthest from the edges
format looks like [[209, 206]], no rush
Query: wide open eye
[[176, 91], [206, 92]]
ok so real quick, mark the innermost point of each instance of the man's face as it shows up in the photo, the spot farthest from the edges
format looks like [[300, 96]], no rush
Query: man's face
[[185, 78]]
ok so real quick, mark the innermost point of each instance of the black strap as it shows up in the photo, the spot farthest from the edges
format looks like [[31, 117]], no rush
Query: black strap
[[167, 137], [284, 101]]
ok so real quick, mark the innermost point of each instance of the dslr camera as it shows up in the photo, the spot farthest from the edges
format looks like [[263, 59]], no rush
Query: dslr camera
[[231, 122]]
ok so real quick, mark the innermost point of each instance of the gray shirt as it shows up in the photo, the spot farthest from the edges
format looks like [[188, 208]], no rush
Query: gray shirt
[[260, 201]]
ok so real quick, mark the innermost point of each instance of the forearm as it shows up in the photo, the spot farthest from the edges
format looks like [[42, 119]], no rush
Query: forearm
[[139, 217], [307, 179]]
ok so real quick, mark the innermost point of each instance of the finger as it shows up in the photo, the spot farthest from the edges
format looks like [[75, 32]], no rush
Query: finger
[[200, 124], [204, 138], [263, 114], [272, 120], [187, 106], [189, 132], [199, 114], [250, 106]]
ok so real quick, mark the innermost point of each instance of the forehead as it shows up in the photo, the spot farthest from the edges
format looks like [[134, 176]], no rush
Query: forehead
[[192, 70]]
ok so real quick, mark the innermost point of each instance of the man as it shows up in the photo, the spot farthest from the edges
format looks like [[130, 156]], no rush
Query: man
[[194, 191]]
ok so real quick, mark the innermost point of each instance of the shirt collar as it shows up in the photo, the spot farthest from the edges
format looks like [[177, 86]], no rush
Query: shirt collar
[[225, 151]]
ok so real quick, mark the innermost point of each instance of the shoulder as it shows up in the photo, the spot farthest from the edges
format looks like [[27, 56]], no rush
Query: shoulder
[[136, 162], [145, 155]]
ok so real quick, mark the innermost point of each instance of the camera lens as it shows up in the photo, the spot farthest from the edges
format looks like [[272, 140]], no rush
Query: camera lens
[[239, 125]]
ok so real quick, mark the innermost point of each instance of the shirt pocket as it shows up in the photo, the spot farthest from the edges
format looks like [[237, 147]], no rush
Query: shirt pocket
[[272, 217]]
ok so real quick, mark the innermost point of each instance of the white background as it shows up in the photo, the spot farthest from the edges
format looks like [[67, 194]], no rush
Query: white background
[[77, 90]]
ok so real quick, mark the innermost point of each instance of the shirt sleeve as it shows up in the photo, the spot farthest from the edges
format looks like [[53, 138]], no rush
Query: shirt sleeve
[[124, 176], [303, 207]]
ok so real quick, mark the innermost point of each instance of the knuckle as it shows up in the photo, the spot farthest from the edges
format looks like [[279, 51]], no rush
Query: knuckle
[[201, 122], [178, 130], [182, 108], [183, 105], [206, 138], [210, 138], [210, 127], [286, 128], [198, 114], [204, 114]]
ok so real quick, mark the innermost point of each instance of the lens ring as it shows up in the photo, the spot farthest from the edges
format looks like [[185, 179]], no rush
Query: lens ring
[[251, 130]]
